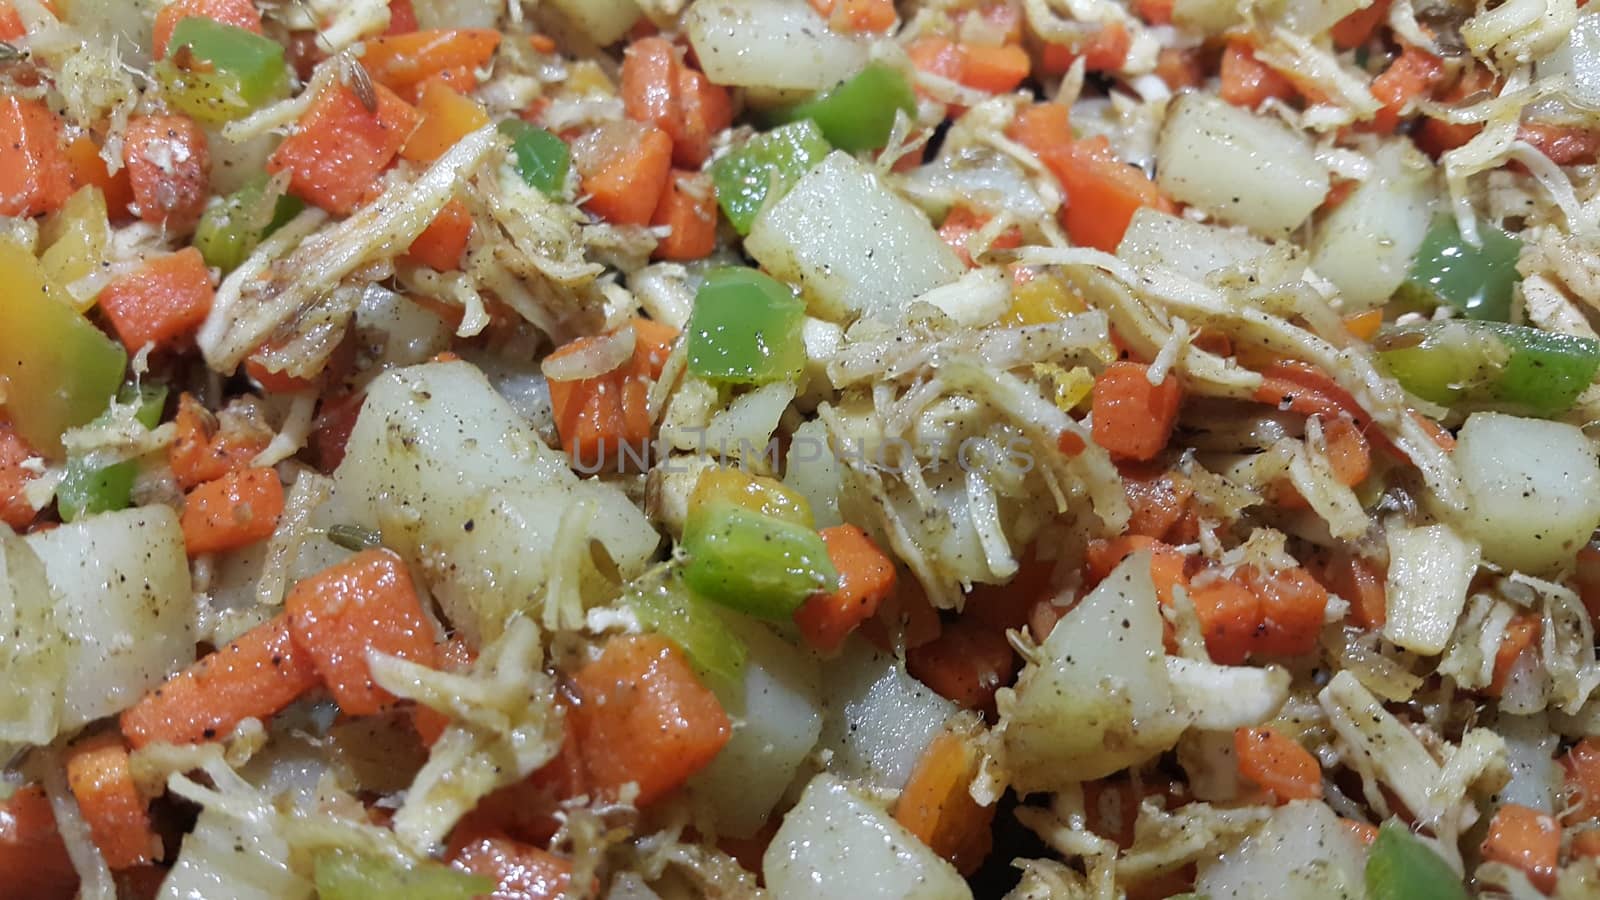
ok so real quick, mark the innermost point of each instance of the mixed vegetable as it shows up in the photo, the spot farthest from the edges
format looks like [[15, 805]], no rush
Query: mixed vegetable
[[799, 448]]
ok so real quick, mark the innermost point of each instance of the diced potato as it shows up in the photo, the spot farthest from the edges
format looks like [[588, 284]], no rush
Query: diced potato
[[1099, 699], [772, 44], [1534, 489], [450, 473], [1313, 17], [879, 718], [853, 246], [125, 604], [1366, 245], [1193, 249], [778, 711], [1301, 853], [1242, 168], [397, 331], [33, 650], [602, 21], [835, 845], [75, 242]]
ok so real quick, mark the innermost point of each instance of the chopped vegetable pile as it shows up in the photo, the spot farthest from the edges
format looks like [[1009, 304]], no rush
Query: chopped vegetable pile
[[799, 448]]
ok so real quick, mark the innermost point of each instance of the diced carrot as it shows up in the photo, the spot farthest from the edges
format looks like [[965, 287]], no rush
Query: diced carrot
[[15, 510], [1581, 768], [258, 674], [169, 168], [161, 302], [1357, 28], [624, 168], [402, 17], [859, 16], [1046, 129], [11, 27], [1103, 193], [1565, 145], [1292, 608], [365, 604], [34, 175], [643, 718], [238, 13], [1364, 832], [401, 62], [936, 55], [1105, 51], [937, 807], [965, 664], [596, 417], [1180, 68], [1361, 583], [336, 418], [543, 43], [1278, 764], [1070, 443], [1413, 73], [689, 210], [201, 452], [1525, 839], [1522, 632], [1132, 417], [1436, 136], [659, 89], [33, 858], [1586, 844], [340, 147], [234, 511], [1248, 82], [88, 167], [994, 70], [101, 782], [447, 117], [866, 578], [962, 222], [1158, 499], [1364, 325], [441, 244], [519, 871], [1154, 12], [1229, 615], [1166, 563], [1348, 453]]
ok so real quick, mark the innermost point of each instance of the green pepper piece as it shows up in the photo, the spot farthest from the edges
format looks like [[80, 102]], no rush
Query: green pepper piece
[[764, 169], [1490, 365], [217, 73], [87, 489], [59, 370], [230, 230], [858, 115], [671, 610], [1401, 867], [745, 328], [754, 563], [541, 158], [347, 875], [1476, 280]]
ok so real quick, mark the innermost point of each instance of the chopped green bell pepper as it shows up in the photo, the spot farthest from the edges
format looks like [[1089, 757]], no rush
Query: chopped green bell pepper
[[87, 489], [764, 169], [542, 159], [745, 328], [230, 230], [1401, 867], [346, 875], [217, 73], [59, 371], [1490, 365], [753, 563], [858, 115], [676, 613], [1476, 280]]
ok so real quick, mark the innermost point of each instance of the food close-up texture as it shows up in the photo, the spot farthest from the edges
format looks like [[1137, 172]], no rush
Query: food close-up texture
[[799, 449]]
